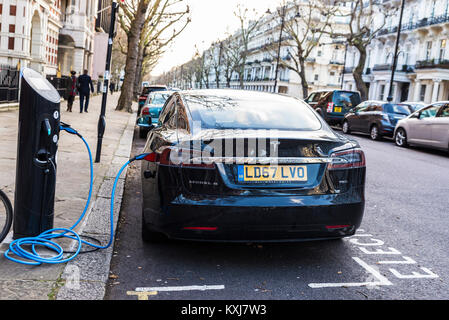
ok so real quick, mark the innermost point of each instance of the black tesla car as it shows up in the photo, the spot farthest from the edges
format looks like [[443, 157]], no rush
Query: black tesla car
[[231, 165]]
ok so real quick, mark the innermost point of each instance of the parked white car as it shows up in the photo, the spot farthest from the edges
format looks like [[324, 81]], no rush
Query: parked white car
[[427, 127], [415, 105]]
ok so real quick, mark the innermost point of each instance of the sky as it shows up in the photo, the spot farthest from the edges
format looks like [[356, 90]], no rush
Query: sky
[[211, 20]]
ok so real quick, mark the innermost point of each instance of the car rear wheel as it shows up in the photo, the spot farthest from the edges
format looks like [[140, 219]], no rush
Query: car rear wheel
[[345, 127], [401, 138], [374, 133], [150, 236]]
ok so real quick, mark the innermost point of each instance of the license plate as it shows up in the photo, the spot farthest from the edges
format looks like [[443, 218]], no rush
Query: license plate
[[250, 173], [337, 109]]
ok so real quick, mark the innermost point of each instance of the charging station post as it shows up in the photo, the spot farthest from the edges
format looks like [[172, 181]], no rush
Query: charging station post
[[38, 135]]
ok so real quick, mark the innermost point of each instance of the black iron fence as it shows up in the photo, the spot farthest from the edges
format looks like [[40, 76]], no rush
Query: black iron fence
[[9, 84], [61, 84]]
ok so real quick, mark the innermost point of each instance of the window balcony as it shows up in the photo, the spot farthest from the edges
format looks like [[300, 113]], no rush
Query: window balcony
[[382, 67], [432, 64]]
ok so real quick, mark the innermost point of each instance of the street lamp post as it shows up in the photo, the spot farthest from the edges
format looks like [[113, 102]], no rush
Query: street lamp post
[[395, 56], [107, 75], [279, 49]]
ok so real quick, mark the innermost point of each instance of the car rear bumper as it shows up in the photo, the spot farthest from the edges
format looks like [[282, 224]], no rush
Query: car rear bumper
[[277, 218], [387, 130], [334, 118]]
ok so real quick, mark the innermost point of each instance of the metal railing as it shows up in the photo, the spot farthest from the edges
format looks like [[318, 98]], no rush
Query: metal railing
[[9, 84], [415, 25], [60, 84], [432, 63]]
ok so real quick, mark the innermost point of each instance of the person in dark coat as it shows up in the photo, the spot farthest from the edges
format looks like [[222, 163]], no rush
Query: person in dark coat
[[112, 87], [85, 87], [72, 92]]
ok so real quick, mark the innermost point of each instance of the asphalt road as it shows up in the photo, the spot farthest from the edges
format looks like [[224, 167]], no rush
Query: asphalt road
[[400, 252]]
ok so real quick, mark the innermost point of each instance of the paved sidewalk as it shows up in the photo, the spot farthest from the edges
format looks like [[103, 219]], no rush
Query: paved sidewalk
[[86, 276]]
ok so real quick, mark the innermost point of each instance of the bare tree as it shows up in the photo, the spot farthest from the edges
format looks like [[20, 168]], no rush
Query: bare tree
[[366, 19], [239, 47], [304, 25], [146, 28], [216, 55]]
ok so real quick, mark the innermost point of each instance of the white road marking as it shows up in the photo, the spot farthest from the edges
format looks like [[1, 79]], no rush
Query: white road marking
[[380, 251], [376, 242], [415, 275], [406, 260], [182, 288], [382, 281]]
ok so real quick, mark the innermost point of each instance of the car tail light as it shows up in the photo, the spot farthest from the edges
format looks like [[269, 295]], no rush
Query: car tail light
[[339, 226], [177, 157], [142, 98], [145, 111], [347, 159], [330, 106], [201, 228]]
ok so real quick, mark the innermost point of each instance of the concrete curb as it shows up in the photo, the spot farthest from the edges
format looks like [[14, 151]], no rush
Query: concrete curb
[[85, 277], [4, 107]]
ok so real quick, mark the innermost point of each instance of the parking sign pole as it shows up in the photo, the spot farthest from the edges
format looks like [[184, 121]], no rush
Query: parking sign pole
[[107, 75]]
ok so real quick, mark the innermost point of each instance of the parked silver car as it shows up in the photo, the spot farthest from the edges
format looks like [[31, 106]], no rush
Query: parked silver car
[[427, 127]]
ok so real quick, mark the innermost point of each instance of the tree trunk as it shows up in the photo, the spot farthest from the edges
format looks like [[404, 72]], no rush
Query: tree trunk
[[304, 84], [138, 75], [358, 72], [127, 92], [241, 74]]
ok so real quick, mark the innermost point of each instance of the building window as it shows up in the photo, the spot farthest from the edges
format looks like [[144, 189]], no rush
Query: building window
[[12, 10], [319, 53], [1, 8], [442, 49], [12, 28], [382, 90], [428, 50], [11, 43], [422, 94], [316, 77]]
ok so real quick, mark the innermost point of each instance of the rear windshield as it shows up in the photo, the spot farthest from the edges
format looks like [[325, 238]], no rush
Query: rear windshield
[[346, 98], [398, 108], [251, 111], [147, 90], [158, 98]]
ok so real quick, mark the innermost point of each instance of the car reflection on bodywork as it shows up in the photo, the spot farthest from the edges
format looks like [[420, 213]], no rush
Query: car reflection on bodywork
[[149, 114], [230, 165]]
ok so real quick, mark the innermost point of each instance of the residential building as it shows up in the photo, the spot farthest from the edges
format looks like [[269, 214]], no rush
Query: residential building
[[262, 72], [101, 36], [29, 32], [76, 37], [422, 72]]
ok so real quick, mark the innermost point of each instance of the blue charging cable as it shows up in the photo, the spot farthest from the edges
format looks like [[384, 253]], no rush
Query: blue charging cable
[[29, 256]]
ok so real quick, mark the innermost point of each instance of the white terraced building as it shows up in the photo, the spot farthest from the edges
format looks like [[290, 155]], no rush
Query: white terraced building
[[324, 66], [422, 72]]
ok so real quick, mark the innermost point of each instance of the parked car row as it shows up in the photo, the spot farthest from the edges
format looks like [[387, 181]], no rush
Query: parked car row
[[409, 123]]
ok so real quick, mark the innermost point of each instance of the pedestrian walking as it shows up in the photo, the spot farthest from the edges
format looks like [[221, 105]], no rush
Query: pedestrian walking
[[72, 92], [85, 87], [112, 87]]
